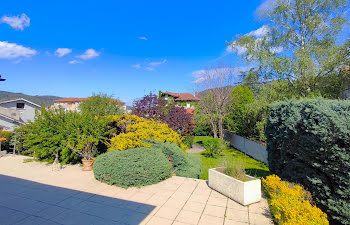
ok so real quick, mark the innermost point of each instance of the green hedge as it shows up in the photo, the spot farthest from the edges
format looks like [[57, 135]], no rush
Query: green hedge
[[184, 165], [132, 167], [308, 142]]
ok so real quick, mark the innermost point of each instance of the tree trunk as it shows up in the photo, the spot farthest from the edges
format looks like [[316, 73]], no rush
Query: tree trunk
[[213, 124], [221, 128]]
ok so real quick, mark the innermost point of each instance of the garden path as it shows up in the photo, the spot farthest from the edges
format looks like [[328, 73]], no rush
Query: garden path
[[34, 193], [196, 148]]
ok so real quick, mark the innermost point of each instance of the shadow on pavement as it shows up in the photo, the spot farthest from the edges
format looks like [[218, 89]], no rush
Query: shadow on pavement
[[25, 202]]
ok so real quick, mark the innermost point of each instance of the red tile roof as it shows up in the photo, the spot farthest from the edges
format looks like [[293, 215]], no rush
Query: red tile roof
[[79, 100], [182, 96], [190, 111]]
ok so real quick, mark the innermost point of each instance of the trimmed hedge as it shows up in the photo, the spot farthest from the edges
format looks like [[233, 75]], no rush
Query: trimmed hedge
[[183, 165], [133, 167], [308, 142]]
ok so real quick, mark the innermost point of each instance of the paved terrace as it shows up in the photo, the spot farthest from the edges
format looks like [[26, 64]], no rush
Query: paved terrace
[[37, 194]]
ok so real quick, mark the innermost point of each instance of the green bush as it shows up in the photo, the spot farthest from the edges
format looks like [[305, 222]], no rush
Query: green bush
[[213, 146], [132, 167], [5, 145], [183, 165], [308, 142], [188, 141]]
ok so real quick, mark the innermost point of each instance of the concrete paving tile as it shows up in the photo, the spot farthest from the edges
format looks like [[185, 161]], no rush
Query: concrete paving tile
[[181, 195], [133, 219], [210, 220], [74, 218], [157, 200], [216, 194], [10, 216], [175, 203], [70, 203], [258, 219], [237, 215], [141, 197], [188, 217], [212, 210], [50, 212], [179, 223], [159, 221], [194, 206], [167, 212], [33, 220], [199, 198], [234, 205], [231, 222], [222, 202], [261, 207]]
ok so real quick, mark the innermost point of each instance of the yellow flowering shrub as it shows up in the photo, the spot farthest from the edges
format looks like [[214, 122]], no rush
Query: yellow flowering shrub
[[290, 203], [135, 131]]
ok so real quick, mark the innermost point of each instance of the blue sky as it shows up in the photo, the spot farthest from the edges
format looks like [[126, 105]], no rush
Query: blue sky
[[125, 48]]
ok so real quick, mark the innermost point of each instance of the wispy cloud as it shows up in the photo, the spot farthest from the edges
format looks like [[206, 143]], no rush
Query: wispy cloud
[[158, 63], [75, 62], [203, 75], [266, 6], [259, 34], [143, 38], [16, 22], [149, 68], [89, 54], [60, 52], [13, 51], [136, 66]]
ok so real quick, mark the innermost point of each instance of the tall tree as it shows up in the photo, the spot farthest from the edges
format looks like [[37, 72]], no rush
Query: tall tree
[[150, 106], [301, 43], [216, 86], [101, 105]]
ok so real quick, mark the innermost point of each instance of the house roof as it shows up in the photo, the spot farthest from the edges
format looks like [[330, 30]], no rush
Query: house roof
[[79, 100], [190, 111], [10, 118], [182, 96], [20, 99]]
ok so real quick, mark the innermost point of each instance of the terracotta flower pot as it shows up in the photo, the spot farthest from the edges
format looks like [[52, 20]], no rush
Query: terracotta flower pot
[[87, 164]]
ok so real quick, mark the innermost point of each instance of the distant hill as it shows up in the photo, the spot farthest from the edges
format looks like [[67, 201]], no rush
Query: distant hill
[[45, 100]]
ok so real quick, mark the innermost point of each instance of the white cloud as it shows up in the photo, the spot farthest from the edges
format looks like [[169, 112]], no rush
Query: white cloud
[[16, 22], [266, 6], [202, 75], [75, 62], [12, 51], [149, 68], [89, 54], [136, 66], [158, 63], [143, 38], [261, 32], [60, 52]]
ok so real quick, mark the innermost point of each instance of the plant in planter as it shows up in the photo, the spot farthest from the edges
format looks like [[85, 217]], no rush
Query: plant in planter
[[232, 181], [87, 132]]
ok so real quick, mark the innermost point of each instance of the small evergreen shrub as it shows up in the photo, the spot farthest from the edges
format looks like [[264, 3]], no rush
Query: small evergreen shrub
[[213, 146], [290, 203], [133, 167], [188, 141], [308, 142], [183, 165]]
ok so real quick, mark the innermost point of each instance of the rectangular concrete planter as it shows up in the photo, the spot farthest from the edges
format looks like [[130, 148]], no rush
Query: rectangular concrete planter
[[244, 193]]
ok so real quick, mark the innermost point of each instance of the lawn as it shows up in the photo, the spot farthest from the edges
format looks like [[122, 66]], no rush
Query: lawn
[[252, 166]]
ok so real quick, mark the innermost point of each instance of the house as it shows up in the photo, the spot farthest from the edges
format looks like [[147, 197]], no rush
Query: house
[[73, 103], [16, 112], [186, 100]]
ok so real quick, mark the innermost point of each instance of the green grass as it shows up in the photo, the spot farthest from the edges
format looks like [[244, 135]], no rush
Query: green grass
[[252, 166]]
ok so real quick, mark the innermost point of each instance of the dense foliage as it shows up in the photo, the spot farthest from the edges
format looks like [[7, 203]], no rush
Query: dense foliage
[[101, 105], [134, 131], [303, 42], [213, 146], [183, 165], [133, 167], [308, 142], [290, 203], [158, 109], [5, 145]]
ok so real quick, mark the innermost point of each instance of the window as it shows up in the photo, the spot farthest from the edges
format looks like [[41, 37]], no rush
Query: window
[[188, 105], [20, 105]]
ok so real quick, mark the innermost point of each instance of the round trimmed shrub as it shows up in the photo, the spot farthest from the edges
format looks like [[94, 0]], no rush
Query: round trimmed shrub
[[133, 167], [184, 165]]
